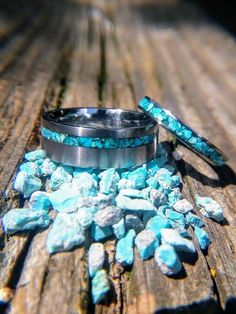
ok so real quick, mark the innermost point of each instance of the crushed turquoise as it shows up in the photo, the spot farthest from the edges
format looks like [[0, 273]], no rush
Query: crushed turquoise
[[90, 142], [181, 131]]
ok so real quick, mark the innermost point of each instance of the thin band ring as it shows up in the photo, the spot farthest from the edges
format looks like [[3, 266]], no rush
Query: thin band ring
[[183, 132]]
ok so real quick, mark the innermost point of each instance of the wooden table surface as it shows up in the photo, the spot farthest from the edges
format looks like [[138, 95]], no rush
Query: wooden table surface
[[110, 53]]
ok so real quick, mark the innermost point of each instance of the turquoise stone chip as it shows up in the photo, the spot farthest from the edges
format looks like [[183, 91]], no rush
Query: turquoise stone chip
[[168, 260], [152, 182], [119, 229], [210, 208], [124, 249], [40, 200], [96, 142], [135, 204], [66, 233], [35, 155], [25, 219], [99, 233], [174, 196], [100, 286], [146, 243], [173, 238], [64, 199], [139, 177], [202, 237], [156, 224], [85, 184], [60, 176], [30, 168], [175, 217], [108, 181], [48, 167], [96, 258], [85, 216], [27, 183], [194, 220]]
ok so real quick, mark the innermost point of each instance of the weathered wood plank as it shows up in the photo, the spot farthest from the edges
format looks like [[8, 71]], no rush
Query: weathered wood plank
[[118, 57], [220, 256], [26, 119], [149, 283]]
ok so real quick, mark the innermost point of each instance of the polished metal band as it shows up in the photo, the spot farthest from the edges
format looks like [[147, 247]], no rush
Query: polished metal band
[[99, 123], [99, 158]]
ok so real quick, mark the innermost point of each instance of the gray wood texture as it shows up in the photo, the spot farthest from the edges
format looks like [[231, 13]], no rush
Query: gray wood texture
[[110, 53]]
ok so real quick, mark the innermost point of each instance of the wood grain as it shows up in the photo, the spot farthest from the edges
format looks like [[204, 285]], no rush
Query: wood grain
[[99, 53]]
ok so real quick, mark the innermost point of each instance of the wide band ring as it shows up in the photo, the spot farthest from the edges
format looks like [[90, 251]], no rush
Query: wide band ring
[[183, 132], [99, 137]]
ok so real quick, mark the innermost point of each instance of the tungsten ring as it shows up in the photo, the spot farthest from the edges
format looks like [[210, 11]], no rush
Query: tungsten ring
[[99, 137], [183, 132]]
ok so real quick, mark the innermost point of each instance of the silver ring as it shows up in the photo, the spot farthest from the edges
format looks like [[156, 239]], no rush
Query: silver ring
[[99, 137], [197, 143]]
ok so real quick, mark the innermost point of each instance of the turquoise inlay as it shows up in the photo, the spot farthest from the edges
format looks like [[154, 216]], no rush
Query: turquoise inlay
[[96, 142], [185, 134]]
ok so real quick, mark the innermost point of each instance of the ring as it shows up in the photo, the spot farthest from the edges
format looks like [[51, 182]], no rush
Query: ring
[[183, 132], [99, 137]]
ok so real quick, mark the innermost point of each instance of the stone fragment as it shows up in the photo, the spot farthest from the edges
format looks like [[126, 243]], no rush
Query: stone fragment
[[183, 206], [174, 196], [119, 229], [48, 167], [133, 222], [108, 181], [175, 181], [164, 179], [96, 257], [146, 216], [85, 217], [66, 233], [124, 249], [27, 183], [168, 260], [152, 182], [95, 202], [210, 208], [157, 197], [173, 238], [175, 217], [99, 233], [152, 168], [59, 177], [67, 168], [64, 200], [85, 184], [138, 177], [125, 184], [108, 216], [25, 219], [132, 193], [194, 220], [127, 203], [35, 155], [30, 168], [156, 224], [202, 237], [100, 286], [40, 200], [182, 231], [146, 243], [79, 170]]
